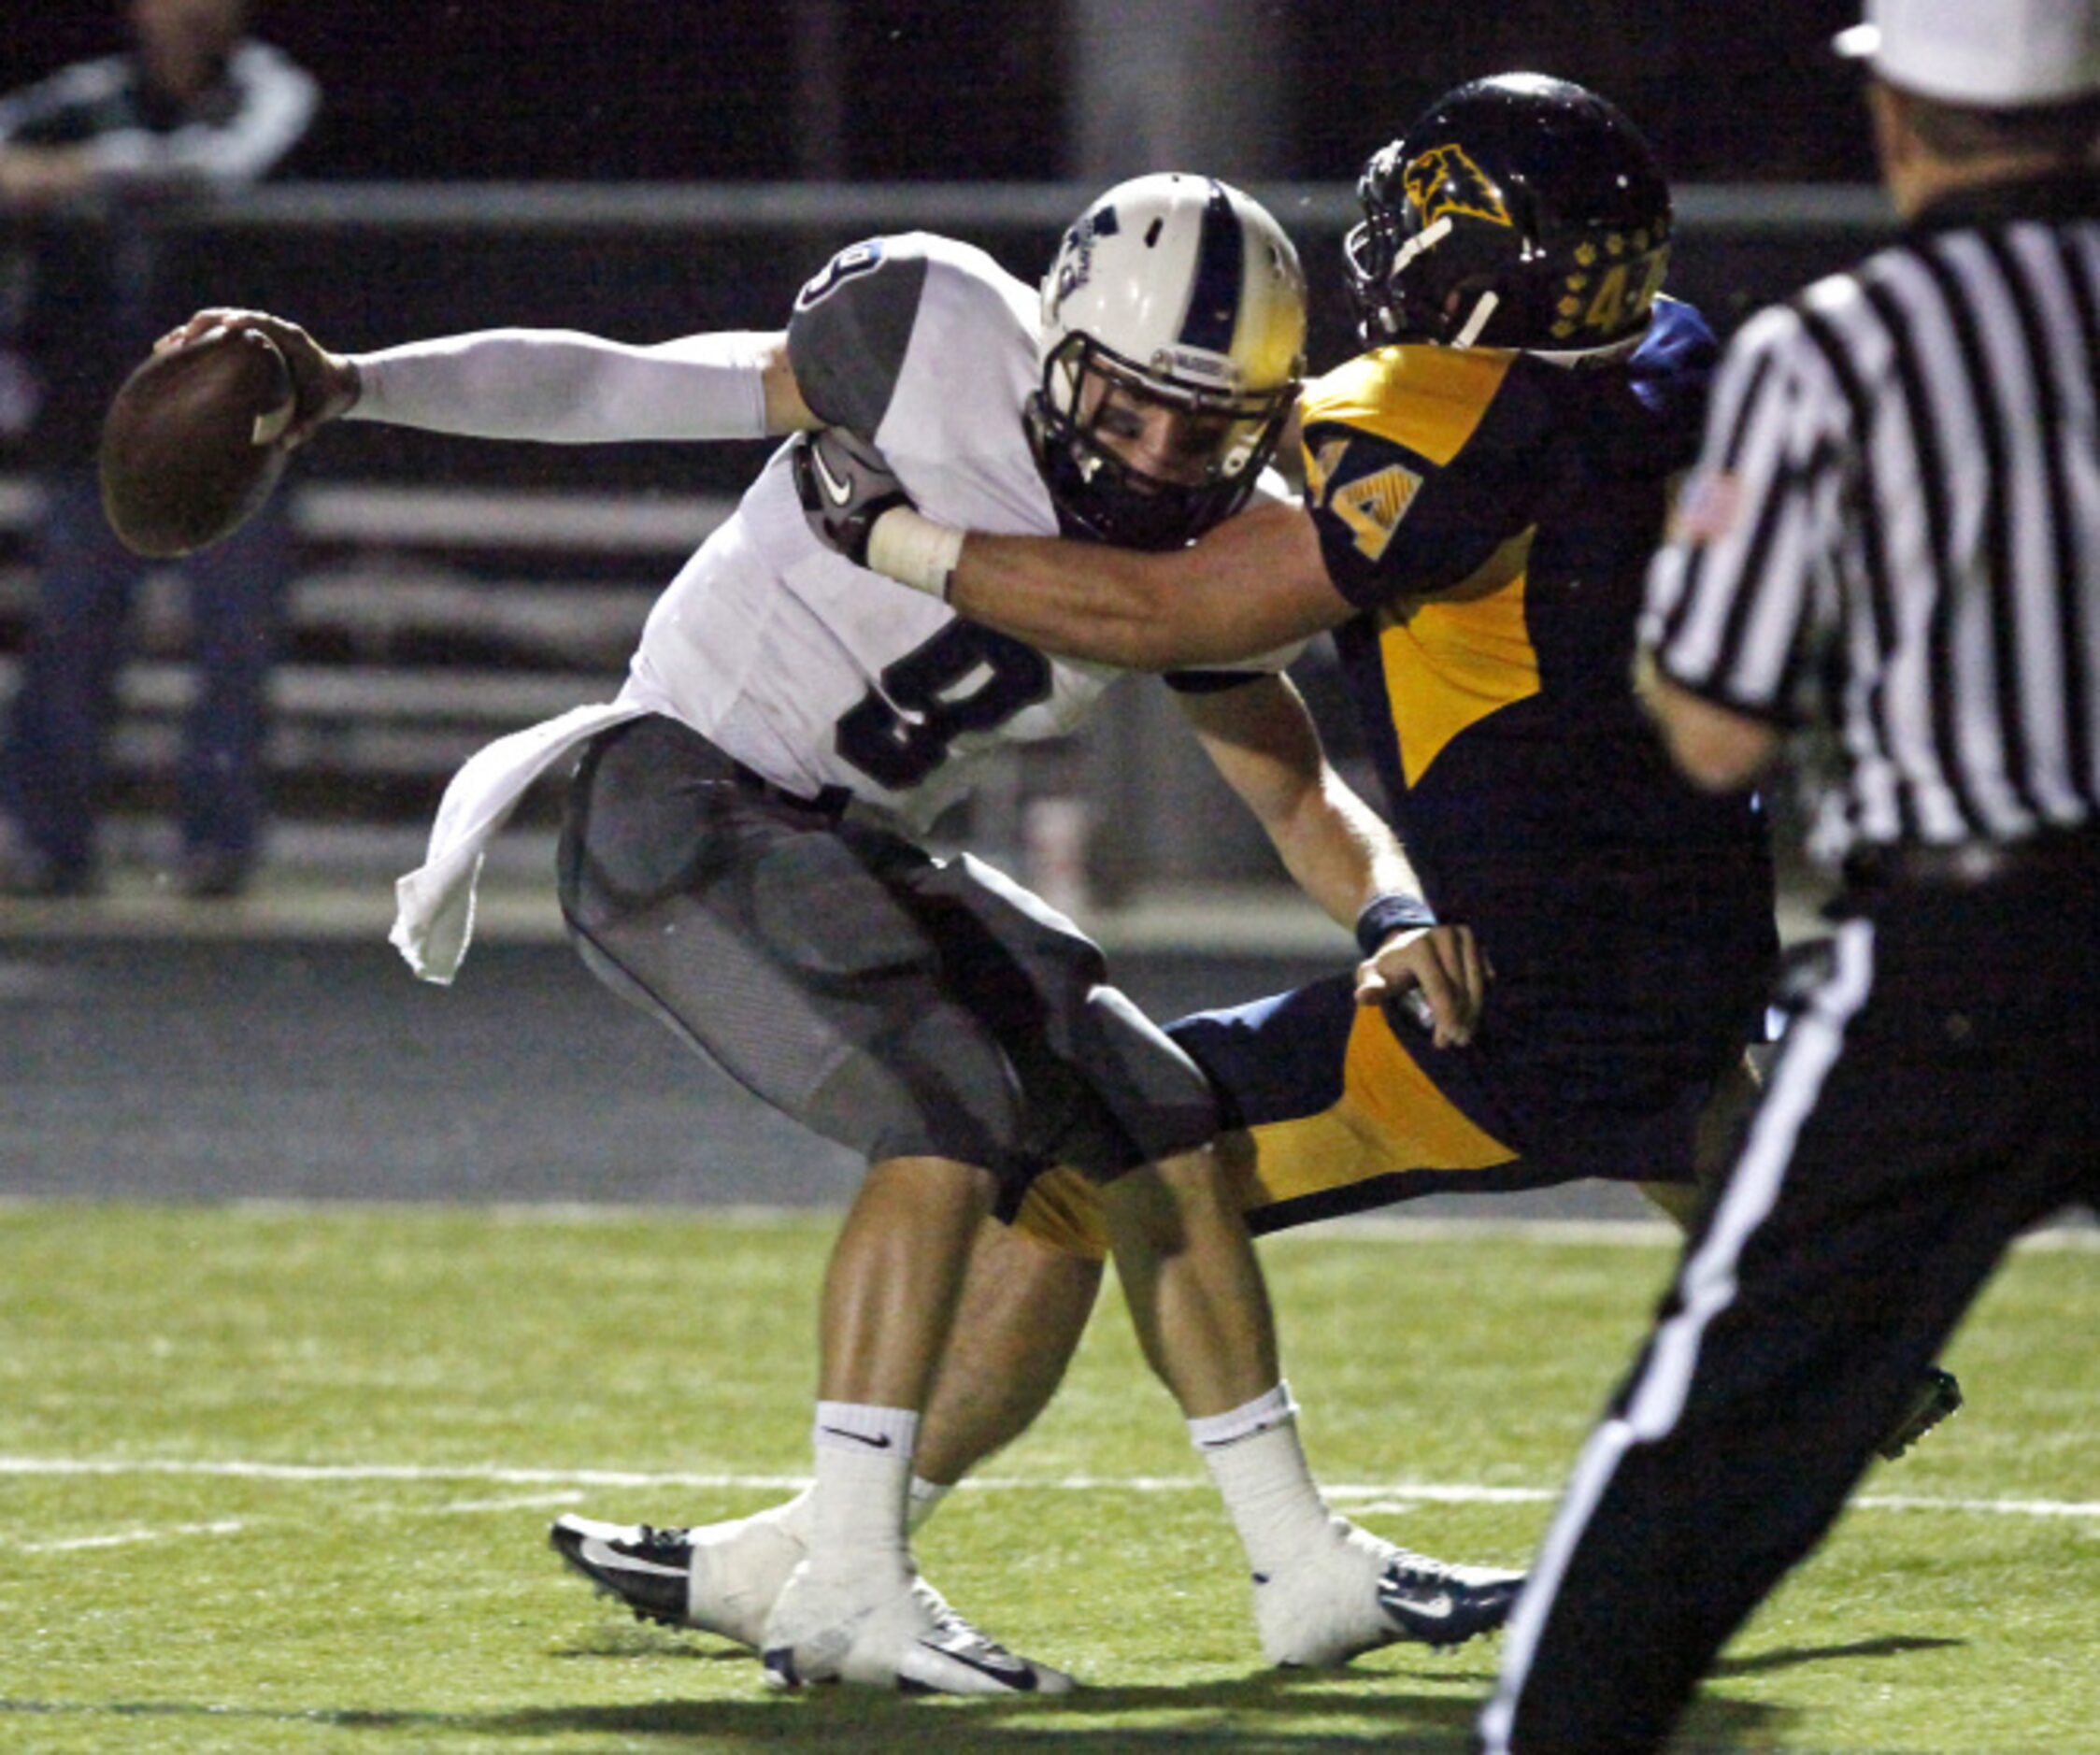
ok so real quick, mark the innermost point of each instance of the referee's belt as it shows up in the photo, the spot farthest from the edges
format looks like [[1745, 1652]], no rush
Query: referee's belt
[[1968, 865]]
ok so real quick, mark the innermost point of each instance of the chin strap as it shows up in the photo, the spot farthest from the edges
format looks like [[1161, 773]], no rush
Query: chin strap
[[1477, 321], [1427, 238]]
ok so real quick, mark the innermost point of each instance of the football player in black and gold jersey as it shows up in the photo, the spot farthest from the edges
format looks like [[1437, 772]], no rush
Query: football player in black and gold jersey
[[1484, 487]]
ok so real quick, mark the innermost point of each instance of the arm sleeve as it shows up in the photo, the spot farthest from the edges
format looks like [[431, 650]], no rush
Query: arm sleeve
[[274, 100], [852, 328], [1732, 597], [568, 389]]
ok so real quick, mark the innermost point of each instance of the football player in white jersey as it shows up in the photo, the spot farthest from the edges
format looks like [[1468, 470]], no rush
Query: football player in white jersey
[[739, 857]]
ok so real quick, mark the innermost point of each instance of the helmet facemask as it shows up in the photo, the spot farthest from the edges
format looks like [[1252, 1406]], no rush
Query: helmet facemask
[[1144, 458]]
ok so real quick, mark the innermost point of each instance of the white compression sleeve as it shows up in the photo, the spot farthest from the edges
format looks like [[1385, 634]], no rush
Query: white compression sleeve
[[569, 389]]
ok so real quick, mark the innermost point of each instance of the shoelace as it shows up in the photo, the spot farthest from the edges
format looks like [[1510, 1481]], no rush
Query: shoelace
[[950, 1625], [655, 1541], [1408, 1567]]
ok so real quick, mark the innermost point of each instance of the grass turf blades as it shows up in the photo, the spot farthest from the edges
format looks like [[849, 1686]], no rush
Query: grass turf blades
[[278, 1478]]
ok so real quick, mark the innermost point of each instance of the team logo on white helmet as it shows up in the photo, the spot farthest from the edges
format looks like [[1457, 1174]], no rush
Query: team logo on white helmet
[[1175, 303]]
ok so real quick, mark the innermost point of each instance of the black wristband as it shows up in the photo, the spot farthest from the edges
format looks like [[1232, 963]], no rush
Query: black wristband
[[1386, 915]]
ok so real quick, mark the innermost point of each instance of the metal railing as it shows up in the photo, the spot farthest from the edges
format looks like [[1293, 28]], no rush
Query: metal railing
[[542, 569]]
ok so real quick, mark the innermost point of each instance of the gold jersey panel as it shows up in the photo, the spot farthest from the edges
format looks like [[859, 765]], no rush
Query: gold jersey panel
[[1380, 433]]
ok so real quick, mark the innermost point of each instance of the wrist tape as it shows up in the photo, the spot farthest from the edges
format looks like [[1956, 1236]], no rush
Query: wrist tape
[[913, 550]]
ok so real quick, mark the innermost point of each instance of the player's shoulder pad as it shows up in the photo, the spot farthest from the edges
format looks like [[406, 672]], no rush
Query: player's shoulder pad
[[854, 321], [851, 327], [1426, 399]]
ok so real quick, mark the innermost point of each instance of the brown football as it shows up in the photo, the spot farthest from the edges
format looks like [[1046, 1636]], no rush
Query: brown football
[[190, 444]]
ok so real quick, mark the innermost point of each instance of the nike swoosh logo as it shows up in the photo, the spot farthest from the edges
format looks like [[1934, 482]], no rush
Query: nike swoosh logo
[[613, 1559], [860, 1438], [1014, 1672], [1436, 1608], [839, 493]]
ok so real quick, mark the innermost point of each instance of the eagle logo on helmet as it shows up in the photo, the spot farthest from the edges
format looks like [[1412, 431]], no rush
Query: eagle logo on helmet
[[1445, 181], [1075, 260]]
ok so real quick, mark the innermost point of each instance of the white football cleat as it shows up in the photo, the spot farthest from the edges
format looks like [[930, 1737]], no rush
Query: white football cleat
[[895, 1632], [1357, 1592], [721, 1579]]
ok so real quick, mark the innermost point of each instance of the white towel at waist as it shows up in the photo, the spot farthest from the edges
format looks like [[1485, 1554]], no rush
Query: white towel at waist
[[434, 905]]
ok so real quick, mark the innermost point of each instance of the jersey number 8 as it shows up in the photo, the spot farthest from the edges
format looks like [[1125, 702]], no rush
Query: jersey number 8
[[966, 678]]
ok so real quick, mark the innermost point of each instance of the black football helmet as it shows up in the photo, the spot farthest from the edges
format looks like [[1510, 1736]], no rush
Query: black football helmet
[[1519, 211]]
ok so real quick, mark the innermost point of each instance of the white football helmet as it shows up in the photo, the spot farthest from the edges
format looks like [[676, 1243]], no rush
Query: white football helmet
[[1172, 291]]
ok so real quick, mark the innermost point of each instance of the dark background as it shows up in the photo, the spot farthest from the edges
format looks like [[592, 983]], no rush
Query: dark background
[[967, 89], [667, 123]]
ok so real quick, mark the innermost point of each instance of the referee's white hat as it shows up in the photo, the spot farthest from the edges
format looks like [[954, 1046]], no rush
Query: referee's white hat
[[1995, 54]]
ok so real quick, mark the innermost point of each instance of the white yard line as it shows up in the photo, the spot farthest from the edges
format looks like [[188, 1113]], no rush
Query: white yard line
[[234, 1526], [124, 1538], [522, 1502], [1381, 1495]]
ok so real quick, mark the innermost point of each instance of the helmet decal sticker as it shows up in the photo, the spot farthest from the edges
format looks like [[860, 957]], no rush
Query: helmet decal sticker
[[1518, 212], [1075, 258], [1445, 180]]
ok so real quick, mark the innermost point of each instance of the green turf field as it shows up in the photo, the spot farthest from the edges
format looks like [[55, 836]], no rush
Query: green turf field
[[276, 1479]]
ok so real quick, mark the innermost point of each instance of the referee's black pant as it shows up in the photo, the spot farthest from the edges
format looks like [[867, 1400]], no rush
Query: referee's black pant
[[1938, 1091]]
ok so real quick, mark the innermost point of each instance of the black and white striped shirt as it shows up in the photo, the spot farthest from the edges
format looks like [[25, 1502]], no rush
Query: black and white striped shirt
[[234, 131], [1896, 526]]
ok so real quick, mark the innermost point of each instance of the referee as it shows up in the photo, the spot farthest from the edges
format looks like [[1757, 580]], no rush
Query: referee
[[1894, 535]]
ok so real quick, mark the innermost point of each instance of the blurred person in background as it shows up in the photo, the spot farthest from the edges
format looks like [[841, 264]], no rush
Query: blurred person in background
[[91, 160]]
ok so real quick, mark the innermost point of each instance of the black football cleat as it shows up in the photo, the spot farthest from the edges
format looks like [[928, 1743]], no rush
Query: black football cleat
[[1356, 1592], [644, 1567], [1439, 1605], [1936, 1397]]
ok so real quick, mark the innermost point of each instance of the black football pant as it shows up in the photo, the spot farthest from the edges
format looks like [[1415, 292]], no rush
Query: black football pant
[[1938, 1091]]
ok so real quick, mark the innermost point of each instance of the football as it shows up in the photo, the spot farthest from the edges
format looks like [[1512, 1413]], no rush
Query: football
[[191, 446]]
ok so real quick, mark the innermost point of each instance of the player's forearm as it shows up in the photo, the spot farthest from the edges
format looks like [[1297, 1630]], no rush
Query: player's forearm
[[1339, 852], [1718, 749], [1263, 742], [1077, 599], [1254, 584], [561, 386]]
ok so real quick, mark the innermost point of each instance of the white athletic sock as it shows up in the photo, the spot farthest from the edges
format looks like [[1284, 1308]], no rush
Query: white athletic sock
[[1254, 1456], [1213, 1432], [864, 1472], [793, 1515]]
